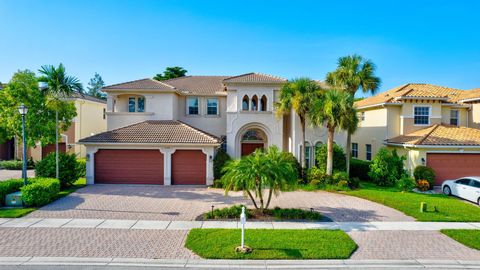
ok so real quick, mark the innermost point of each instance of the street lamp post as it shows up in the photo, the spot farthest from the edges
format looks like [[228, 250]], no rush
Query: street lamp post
[[23, 110]]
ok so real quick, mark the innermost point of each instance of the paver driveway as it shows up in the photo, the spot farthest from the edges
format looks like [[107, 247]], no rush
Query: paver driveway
[[187, 203]]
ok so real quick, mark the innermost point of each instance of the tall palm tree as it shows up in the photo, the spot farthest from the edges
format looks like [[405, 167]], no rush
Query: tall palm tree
[[57, 86], [298, 95], [352, 74], [334, 111]]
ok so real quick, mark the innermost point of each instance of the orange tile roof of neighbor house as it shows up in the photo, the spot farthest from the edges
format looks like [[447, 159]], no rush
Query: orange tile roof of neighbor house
[[438, 135], [154, 131]]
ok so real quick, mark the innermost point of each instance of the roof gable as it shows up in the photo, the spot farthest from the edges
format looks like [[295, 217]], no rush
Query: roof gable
[[255, 78], [142, 84]]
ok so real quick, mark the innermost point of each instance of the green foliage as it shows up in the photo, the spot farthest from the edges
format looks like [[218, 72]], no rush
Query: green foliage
[[271, 244], [470, 238], [16, 164], [360, 168], [232, 212], [40, 119], [68, 168], [221, 158], [354, 182], [406, 183], [95, 87], [294, 214], [294, 161], [270, 169], [171, 73], [9, 186], [317, 177], [217, 183], [81, 167], [321, 155], [387, 168], [423, 185], [40, 191], [424, 173], [277, 213]]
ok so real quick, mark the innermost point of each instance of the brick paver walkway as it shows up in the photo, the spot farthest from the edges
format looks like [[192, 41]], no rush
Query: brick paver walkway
[[187, 203], [48, 242], [399, 245]]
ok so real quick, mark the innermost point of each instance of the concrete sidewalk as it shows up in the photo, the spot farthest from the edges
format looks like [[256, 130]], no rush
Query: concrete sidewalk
[[187, 225], [237, 264]]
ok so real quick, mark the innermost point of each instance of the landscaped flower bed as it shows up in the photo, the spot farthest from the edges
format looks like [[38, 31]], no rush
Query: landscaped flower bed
[[233, 213]]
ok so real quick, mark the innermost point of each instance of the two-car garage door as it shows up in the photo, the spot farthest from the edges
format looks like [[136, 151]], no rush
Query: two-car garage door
[[452, 166], [115, 166]]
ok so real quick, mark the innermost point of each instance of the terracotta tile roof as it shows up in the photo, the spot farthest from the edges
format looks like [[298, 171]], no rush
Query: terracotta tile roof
[[255, 78], [154, 131], [470, 94], [206, 85], [413, 90], [141, 84], [440, 135], [88, 97]]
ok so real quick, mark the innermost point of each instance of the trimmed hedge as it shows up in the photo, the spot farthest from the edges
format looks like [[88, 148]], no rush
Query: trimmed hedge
[[219, 161], [360, 168], [40, 191], [9, 186], [81, 167], [68, 168], [16, 164]]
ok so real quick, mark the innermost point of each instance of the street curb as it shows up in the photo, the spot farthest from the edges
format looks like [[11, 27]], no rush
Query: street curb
[[250, 264]]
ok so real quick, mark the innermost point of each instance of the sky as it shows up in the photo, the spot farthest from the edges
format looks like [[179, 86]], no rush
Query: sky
[[435, 42]]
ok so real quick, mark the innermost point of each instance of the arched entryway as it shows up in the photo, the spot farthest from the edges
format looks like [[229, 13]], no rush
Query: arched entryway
[[251, 140]]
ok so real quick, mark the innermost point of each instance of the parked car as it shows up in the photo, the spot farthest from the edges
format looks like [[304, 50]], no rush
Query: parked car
[[467, 188]]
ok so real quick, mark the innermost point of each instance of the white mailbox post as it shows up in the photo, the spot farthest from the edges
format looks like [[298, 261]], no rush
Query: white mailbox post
[[243, 219]]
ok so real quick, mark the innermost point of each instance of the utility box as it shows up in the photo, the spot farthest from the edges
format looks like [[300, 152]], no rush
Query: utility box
[[14, 199]]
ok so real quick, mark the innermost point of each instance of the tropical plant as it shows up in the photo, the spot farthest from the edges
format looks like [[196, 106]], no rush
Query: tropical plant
[[70, 169], [95, 87], [57, 86], [387, 167], [219, 161], [321, 155], [261, 170], [333, 111], [171, 73], [425, 173], [298, 95], [353, 73]]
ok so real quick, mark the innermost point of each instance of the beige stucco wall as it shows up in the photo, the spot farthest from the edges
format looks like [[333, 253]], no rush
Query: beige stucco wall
[[407, 116], [213, 124], [474, 115], [90, 120], [373, 130], [462, 115]]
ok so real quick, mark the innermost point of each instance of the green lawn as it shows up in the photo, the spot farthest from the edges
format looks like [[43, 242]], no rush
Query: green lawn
[[20, 212], [470, 238], [449, 208], [271, 244]]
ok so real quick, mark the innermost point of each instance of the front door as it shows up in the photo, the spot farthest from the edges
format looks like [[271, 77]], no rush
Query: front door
[[248, 148]]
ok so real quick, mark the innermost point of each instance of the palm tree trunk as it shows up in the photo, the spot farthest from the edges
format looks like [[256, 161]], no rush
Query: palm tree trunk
[[348, 150], [56, 145], [331, 131], [302, 152], [270, 192], [260, 196], [253, 200]]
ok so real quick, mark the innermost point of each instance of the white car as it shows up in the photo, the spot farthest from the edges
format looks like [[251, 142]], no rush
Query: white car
[[467, 188]]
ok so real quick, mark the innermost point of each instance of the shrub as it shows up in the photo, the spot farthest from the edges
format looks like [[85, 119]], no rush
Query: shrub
[[339, 163], [68, 168], [387, 167], [360, 168], [317, 175], [232, 212], [342, 184], [40, 191], [294, 161], [294, 214], [217, 183], [406, 183], [221, 158], [82, 167], [11, 164], [337, 177], [9, 186], [425, 173], [423, 185], [354, 182]]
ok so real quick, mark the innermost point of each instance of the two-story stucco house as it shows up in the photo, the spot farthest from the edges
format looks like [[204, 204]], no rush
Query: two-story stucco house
[[432, 125], [167, 132]]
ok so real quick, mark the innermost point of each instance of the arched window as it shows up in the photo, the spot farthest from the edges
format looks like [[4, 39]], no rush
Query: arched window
[[254, 103], [245, 103], [263, 103]]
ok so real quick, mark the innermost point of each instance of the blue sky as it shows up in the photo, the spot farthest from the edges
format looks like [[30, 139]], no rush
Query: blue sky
[[434, 42]]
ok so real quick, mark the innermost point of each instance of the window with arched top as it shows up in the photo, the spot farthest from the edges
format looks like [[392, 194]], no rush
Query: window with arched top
[[263, 103], [254, 103], [245, 103]]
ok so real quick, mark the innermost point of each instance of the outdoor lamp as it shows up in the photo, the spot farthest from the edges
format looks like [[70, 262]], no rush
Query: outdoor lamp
[[22, 109]]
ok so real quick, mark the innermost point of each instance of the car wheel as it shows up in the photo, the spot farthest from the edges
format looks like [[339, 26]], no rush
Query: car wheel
[[447, 191], [478, 202]]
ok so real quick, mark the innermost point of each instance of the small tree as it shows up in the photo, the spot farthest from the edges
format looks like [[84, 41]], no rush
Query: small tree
[[261, 170], [387, 167], [321, 155], [95, 85], [221, 158], [171, 73]]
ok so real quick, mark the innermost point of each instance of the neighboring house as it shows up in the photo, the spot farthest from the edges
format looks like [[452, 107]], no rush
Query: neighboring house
[[167, 132], [432, 125], [90, 120]]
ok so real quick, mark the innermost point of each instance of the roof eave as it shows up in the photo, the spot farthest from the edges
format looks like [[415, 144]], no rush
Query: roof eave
[[147, 144], [430, 146], [379, 105]]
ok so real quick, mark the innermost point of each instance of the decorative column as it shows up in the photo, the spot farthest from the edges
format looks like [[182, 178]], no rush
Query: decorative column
[[209, 152], [90, 170], [167, 165]]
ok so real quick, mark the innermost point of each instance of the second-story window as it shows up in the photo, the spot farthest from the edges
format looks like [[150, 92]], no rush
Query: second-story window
[[355, 150], [192, 105], [245, 103], [454, 117], [136, 104], [212, 106], [421, 115]]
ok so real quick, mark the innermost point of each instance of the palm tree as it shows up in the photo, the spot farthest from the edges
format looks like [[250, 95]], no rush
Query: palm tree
[[334, 111], [258, 171], [353, 73], [298, 95], [58, 86]]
